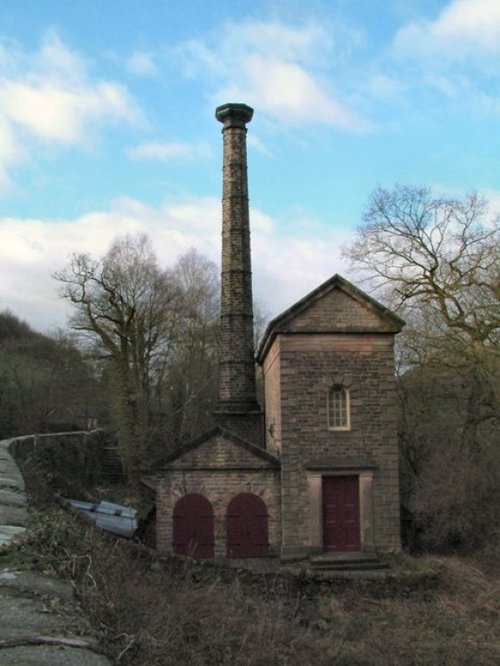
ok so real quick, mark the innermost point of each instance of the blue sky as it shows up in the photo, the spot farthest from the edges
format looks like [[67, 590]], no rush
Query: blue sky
[[107, 126]]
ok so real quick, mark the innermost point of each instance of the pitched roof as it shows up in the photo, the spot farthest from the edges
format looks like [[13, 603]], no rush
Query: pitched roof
[[227, 435], [389, 321]]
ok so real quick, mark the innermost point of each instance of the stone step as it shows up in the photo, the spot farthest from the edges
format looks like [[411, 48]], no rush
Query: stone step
[[346, 562], [350, 566], [348, 574], [112, 465]]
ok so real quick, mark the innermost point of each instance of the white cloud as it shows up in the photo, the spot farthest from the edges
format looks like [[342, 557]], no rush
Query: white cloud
[[48, 98], [288, 92], [381, 85], [32, 249], [275, 67], [286, 267], [456, 55], [168, 151], [53, 112], [141, 63], [258, 145], [464, 28]]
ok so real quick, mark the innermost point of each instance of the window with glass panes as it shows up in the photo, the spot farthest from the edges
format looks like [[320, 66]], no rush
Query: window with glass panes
[[338, 408]]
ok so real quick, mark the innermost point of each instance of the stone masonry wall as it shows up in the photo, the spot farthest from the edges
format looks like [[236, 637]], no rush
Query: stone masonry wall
[[219, 470], [310, 365], [237, 391], [339, 312], [219, 487], [272, 390]]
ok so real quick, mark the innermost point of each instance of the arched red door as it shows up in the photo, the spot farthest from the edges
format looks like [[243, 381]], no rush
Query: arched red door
[[247, 532], [194, 527]]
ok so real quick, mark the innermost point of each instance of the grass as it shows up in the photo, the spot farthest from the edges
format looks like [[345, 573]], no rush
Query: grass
[[165, 612], [15, 557], [149, 611]]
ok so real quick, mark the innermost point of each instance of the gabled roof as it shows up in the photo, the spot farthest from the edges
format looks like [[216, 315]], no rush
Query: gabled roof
[[387, 321], [210, 435]]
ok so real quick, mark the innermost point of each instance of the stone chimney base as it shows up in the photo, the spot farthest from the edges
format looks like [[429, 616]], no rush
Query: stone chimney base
[[248, 425]]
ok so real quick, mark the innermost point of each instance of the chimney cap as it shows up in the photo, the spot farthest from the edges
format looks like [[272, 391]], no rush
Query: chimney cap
[[233, 113]]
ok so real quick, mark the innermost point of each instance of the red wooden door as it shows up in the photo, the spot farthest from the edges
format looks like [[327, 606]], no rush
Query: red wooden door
[[247, 533], [194, 527], [341, 513]]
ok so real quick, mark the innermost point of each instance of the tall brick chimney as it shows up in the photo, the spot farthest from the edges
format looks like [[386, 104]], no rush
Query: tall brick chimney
[[237, 408]]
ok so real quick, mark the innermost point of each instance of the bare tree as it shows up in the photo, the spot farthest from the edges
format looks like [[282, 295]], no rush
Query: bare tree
[[127, 305], [435, 253], [192, 368], [437, 261]]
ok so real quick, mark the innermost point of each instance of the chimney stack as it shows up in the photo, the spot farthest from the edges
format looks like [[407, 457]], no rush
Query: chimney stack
[[237, 408]]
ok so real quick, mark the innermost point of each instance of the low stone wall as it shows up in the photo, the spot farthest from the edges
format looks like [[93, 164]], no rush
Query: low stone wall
[[13, 501], [29, 632], [69, 461]]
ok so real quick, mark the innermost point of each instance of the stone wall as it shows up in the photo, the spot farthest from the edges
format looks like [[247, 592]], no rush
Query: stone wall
[[32, 604], [69, 461], [219, 469], [272, 397], [338, 311], [219, 487], [309, 366]]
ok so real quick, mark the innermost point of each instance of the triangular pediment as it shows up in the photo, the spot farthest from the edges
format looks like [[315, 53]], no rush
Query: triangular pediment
[[219, 449], [336, 306]]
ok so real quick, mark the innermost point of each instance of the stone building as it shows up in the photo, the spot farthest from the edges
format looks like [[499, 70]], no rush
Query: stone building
[[317, 470]]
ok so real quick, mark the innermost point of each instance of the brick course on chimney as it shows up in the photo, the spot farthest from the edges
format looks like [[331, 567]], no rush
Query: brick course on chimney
[[237, 408]]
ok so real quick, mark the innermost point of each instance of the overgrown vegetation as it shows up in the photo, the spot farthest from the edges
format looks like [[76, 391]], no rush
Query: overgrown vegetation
[[145, 609], [166, 612]]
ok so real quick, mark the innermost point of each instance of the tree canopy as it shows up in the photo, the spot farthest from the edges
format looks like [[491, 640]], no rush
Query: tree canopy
[[155, 330], [437, 255], [436, 260]]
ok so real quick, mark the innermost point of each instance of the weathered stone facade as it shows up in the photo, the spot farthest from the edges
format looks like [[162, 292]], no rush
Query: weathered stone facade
[[319, 479], [219, 466], [237, 408], [336, 336]]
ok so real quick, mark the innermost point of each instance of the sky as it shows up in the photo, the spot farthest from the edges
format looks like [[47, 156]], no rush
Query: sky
[[107, 127]]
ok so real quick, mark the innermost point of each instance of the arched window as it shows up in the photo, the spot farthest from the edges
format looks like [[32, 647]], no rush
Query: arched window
[[338, 408]]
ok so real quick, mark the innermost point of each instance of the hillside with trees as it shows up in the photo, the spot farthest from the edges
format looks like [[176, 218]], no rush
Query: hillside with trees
[[46, 384]]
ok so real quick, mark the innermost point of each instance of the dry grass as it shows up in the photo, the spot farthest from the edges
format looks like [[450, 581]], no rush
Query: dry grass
[[151, 612]]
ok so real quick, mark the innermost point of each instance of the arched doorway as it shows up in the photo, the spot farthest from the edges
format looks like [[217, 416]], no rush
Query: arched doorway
[[247, 531], [194, 527]]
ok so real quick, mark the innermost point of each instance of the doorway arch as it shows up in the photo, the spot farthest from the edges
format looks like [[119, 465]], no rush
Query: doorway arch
[[193, 529], [247, 527]]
